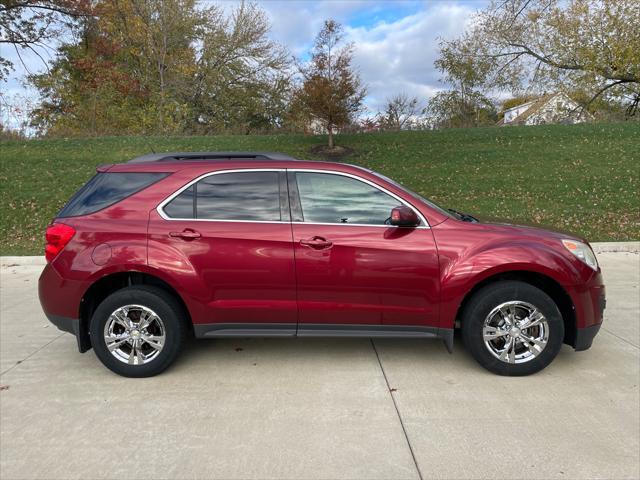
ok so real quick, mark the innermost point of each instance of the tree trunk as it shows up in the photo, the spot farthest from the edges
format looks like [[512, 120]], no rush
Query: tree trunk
[[330, 130], [94, 113]]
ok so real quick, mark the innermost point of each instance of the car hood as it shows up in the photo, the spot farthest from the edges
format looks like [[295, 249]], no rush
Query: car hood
[[538, 231]]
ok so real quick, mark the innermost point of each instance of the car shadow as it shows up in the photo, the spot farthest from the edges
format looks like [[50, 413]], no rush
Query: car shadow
[[336, 352], [342, 350]]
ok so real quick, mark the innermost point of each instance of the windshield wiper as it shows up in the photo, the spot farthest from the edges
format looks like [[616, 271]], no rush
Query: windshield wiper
[[465, 217]]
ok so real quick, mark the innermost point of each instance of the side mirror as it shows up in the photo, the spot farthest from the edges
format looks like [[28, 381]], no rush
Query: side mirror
[[404, 216]]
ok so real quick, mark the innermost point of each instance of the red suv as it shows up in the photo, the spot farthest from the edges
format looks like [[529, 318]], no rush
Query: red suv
[[260, 244]]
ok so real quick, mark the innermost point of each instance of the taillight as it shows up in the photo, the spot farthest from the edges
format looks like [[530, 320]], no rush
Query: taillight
[[57, 236]]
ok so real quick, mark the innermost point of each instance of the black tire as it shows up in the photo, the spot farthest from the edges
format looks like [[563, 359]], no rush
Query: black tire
[[485, 301], [160, 302]]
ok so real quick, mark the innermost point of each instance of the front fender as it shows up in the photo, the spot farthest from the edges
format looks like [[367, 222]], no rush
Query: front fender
[[461, 272]]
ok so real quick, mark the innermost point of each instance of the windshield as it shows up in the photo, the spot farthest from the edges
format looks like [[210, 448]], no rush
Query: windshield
[[444, 211]]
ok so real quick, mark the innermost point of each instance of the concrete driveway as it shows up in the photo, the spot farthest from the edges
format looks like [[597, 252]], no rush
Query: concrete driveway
[[316, 408]]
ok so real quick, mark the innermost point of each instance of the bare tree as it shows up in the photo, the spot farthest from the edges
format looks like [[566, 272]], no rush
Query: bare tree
[[401, 111], [32, 25]]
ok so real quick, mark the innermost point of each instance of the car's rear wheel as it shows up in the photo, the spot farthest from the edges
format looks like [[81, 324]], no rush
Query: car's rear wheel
[[138, 331], [512, 328]]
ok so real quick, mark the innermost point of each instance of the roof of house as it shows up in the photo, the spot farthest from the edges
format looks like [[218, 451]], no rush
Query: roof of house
[[520, 105], [535, 107]]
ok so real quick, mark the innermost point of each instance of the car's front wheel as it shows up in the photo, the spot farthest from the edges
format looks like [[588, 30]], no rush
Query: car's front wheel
[[138, 331], [512, 328]]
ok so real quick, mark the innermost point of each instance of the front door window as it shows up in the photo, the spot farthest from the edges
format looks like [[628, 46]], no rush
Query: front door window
[[330, 198]]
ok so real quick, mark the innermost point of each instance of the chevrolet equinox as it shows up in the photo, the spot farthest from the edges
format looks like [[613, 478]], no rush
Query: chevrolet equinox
[[239, 244]]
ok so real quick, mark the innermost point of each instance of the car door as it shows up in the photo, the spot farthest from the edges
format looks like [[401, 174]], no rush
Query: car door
[[227, 238], [352, 268]]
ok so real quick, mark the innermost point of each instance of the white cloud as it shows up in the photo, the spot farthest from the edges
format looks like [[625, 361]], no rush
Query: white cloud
[[295, 23], [398, 57], [392, 56], [395, 41]]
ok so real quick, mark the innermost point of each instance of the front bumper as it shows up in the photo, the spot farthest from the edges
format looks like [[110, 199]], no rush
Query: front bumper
[[589, 302], [585, 336]]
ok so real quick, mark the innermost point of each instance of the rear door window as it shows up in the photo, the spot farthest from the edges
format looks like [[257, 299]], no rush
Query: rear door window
[[105, 189], [182, 206], [243, 196]]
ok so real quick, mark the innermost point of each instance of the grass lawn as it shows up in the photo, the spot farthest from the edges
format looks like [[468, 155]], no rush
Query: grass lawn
[[579, 178]]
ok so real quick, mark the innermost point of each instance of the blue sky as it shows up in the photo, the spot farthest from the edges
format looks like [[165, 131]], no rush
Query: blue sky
[[395, 40]]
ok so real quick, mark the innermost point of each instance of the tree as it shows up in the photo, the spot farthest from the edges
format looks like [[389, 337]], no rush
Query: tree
[[154, 44], [450, 109], [170, 67], [242, 80], [331, 91], [593, 45], [122, 72], [466, 103], [14, 111], [33, 25], [400, 111]]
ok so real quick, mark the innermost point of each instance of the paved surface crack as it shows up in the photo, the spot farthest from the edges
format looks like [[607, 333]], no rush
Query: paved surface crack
[[30, 355], [621, 338], [395, 405]]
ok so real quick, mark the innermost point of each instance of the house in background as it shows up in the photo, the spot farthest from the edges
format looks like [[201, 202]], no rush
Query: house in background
[[549, 108], [315, 126]]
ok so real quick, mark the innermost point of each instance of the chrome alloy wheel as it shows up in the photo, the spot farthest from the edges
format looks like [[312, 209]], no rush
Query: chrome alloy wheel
[[134, 334], [515, 332]]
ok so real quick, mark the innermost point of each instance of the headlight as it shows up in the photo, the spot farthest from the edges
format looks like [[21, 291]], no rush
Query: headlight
[[582, 251]]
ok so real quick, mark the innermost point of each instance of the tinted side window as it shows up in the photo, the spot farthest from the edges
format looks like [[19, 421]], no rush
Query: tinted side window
[[182, 206], [239, 196], [329, 198], [105, 189], [253, 196]]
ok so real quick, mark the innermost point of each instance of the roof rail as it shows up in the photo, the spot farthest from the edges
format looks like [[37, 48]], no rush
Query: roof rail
[[197, 156]]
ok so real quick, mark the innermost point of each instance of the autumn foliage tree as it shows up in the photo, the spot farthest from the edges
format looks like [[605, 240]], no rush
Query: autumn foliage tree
[[465, 103], [169, 67], [588, 45], [242, 80], [331, 90], [120, 72]]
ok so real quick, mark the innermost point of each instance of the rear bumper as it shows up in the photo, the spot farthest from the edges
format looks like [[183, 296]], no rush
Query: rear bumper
[[71, 325], [59, 296], [58, 299]]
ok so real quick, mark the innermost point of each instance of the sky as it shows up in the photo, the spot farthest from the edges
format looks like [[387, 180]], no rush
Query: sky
[[396, 41]]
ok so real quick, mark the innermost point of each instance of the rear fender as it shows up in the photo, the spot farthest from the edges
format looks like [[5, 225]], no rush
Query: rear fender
[[193, 307]]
